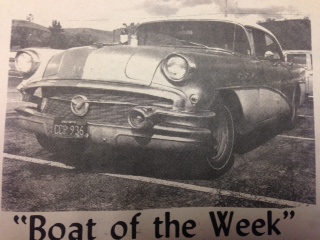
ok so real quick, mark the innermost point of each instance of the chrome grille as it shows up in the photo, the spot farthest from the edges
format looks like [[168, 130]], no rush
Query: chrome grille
[[108, 107]]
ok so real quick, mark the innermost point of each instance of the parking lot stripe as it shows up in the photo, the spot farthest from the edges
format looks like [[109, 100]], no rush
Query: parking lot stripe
[[306, 116], [35, 160], [301, 138], [213, 191]]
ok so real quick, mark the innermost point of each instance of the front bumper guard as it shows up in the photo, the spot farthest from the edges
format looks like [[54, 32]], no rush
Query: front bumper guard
[[180, 130]]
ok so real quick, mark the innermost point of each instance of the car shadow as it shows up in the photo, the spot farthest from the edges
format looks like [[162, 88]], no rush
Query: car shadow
[[159, 163], [138, 162], [250, 141]]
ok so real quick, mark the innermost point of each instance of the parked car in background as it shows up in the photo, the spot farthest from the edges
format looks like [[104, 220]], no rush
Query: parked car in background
[[13, 72], [304, 58], [186, 85]]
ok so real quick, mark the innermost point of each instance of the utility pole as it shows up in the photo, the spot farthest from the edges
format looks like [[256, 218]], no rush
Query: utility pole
[[226, 9]]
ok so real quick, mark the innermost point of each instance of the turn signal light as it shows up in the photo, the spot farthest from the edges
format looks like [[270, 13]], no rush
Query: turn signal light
[[138, 119]]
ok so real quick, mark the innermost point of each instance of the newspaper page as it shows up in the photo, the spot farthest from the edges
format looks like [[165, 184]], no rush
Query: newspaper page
[[170, 119]]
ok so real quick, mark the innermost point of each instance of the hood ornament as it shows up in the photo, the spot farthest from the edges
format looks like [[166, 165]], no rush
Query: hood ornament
[[79, 105]]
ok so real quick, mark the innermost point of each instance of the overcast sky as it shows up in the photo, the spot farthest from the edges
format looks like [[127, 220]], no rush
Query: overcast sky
[[110, 14]]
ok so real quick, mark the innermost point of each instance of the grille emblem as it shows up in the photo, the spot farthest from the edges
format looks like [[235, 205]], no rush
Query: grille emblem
[[79, 105]]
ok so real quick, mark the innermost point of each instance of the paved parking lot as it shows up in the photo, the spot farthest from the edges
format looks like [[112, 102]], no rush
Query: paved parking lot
[[273, 168]]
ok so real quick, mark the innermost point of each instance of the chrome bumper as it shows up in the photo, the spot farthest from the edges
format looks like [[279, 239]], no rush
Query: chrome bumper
[[163, 135]]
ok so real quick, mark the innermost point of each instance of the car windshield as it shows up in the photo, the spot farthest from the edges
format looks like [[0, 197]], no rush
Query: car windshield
[[200, 34]]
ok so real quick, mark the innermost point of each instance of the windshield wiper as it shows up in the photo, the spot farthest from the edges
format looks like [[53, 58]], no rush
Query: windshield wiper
[[205, 46], [193, 43]]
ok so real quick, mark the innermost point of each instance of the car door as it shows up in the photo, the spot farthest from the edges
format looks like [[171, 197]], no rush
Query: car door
[[273, 75]]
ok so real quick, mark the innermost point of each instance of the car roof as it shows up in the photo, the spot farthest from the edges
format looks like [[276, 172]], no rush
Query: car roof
[[242, 23], [239, 22], [190, 20]]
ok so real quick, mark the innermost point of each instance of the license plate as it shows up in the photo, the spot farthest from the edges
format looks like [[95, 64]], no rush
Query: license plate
[[69, 128]]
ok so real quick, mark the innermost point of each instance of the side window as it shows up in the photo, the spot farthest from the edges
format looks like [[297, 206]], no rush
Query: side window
[[271, 45], [241, 42], [264, 42]]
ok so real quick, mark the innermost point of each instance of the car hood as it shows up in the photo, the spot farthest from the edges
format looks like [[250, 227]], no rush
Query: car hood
[[114, 63]]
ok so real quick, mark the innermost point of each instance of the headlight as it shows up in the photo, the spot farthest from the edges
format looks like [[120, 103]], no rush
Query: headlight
[[175, 68], [26, 62], [178, 67]]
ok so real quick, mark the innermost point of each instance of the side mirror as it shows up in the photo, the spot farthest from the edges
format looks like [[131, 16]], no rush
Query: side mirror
[[269, 55]]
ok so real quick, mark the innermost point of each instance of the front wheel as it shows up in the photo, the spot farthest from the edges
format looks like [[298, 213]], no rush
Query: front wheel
[[220, 156], [62, 146]]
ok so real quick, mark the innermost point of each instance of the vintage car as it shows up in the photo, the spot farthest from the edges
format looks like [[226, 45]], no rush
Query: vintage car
[[303, 57], [186, 85]]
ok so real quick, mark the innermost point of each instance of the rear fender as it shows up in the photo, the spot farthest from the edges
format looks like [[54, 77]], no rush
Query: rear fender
[[253, 106]]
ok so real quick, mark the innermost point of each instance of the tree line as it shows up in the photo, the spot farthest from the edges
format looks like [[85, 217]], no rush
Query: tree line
[[55, 37]]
